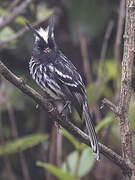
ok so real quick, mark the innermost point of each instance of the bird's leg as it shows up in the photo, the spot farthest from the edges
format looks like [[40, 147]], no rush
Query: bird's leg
[[52, 100], [67, 104], [49, 101]]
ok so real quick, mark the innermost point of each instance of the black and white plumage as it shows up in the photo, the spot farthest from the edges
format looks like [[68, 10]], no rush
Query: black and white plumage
[[57, 76]]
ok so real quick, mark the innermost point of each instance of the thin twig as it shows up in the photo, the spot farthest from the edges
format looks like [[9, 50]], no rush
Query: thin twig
[[13, 5], [14, 131], [104, 49], [59, 150], [19, 83], [6, 159], [25, 170], [110, 105], [17, 11], [22, 31], [85, 58]]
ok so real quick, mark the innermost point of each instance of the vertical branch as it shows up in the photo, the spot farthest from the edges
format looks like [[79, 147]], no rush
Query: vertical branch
[[122, 110], [104, 49], [85, 58], [125, 92], [53, 149], [117, 45], [6, 159], [59, 150], [14, 131], [15, 135]]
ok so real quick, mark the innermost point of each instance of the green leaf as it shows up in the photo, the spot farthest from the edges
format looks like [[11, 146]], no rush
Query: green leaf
[[110, 68], [20, 20], [85, 165], [104, 122], [43, 12], [1, 10], [59, 173], [22, 143], [71, 162], [6, 32], [86, 162], [73, 140]]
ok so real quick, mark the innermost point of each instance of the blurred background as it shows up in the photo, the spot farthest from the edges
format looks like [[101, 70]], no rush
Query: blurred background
[[89, 33]]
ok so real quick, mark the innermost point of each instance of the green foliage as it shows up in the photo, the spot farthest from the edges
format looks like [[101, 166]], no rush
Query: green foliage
[[109, 117], [59, 173], [92, 93], [110, 68], [20, 20], [22, 143], [87, 161], [85, 164], [82, 16], [1, 10], [78, 146], [43, 12], [6, 32]]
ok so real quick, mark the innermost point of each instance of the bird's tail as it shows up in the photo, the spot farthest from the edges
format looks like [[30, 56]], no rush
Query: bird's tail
[[91, 130]]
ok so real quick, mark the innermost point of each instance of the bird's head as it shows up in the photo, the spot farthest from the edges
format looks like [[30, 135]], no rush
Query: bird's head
[[44, 38]]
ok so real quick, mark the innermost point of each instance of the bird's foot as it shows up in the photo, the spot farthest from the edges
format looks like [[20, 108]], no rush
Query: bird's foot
[[67, 104], [64, 116], [51, 100], [50, 107]]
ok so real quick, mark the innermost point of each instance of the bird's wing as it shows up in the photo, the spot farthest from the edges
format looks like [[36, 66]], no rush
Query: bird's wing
[[70, 81]]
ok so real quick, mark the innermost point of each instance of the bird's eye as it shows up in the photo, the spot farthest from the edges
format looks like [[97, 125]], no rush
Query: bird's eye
[[42, 45]]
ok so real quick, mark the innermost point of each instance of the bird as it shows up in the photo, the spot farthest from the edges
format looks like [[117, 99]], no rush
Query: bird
[[59, 78]]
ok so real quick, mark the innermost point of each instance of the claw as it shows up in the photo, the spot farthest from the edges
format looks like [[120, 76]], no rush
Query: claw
[[70, 110], [51, 108], [37, 106]]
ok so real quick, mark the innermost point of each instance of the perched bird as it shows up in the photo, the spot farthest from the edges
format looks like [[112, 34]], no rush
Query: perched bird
[[57, 76]]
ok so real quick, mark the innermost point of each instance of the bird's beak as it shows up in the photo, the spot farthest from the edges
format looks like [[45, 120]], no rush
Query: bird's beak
[[33, 30]]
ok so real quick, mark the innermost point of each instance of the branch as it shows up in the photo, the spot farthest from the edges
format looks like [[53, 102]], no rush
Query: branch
[[117, 45], [85, 58], [125, 93], [103, 50], [18, 10], [110, 105], [19, 83], [22, 31]]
